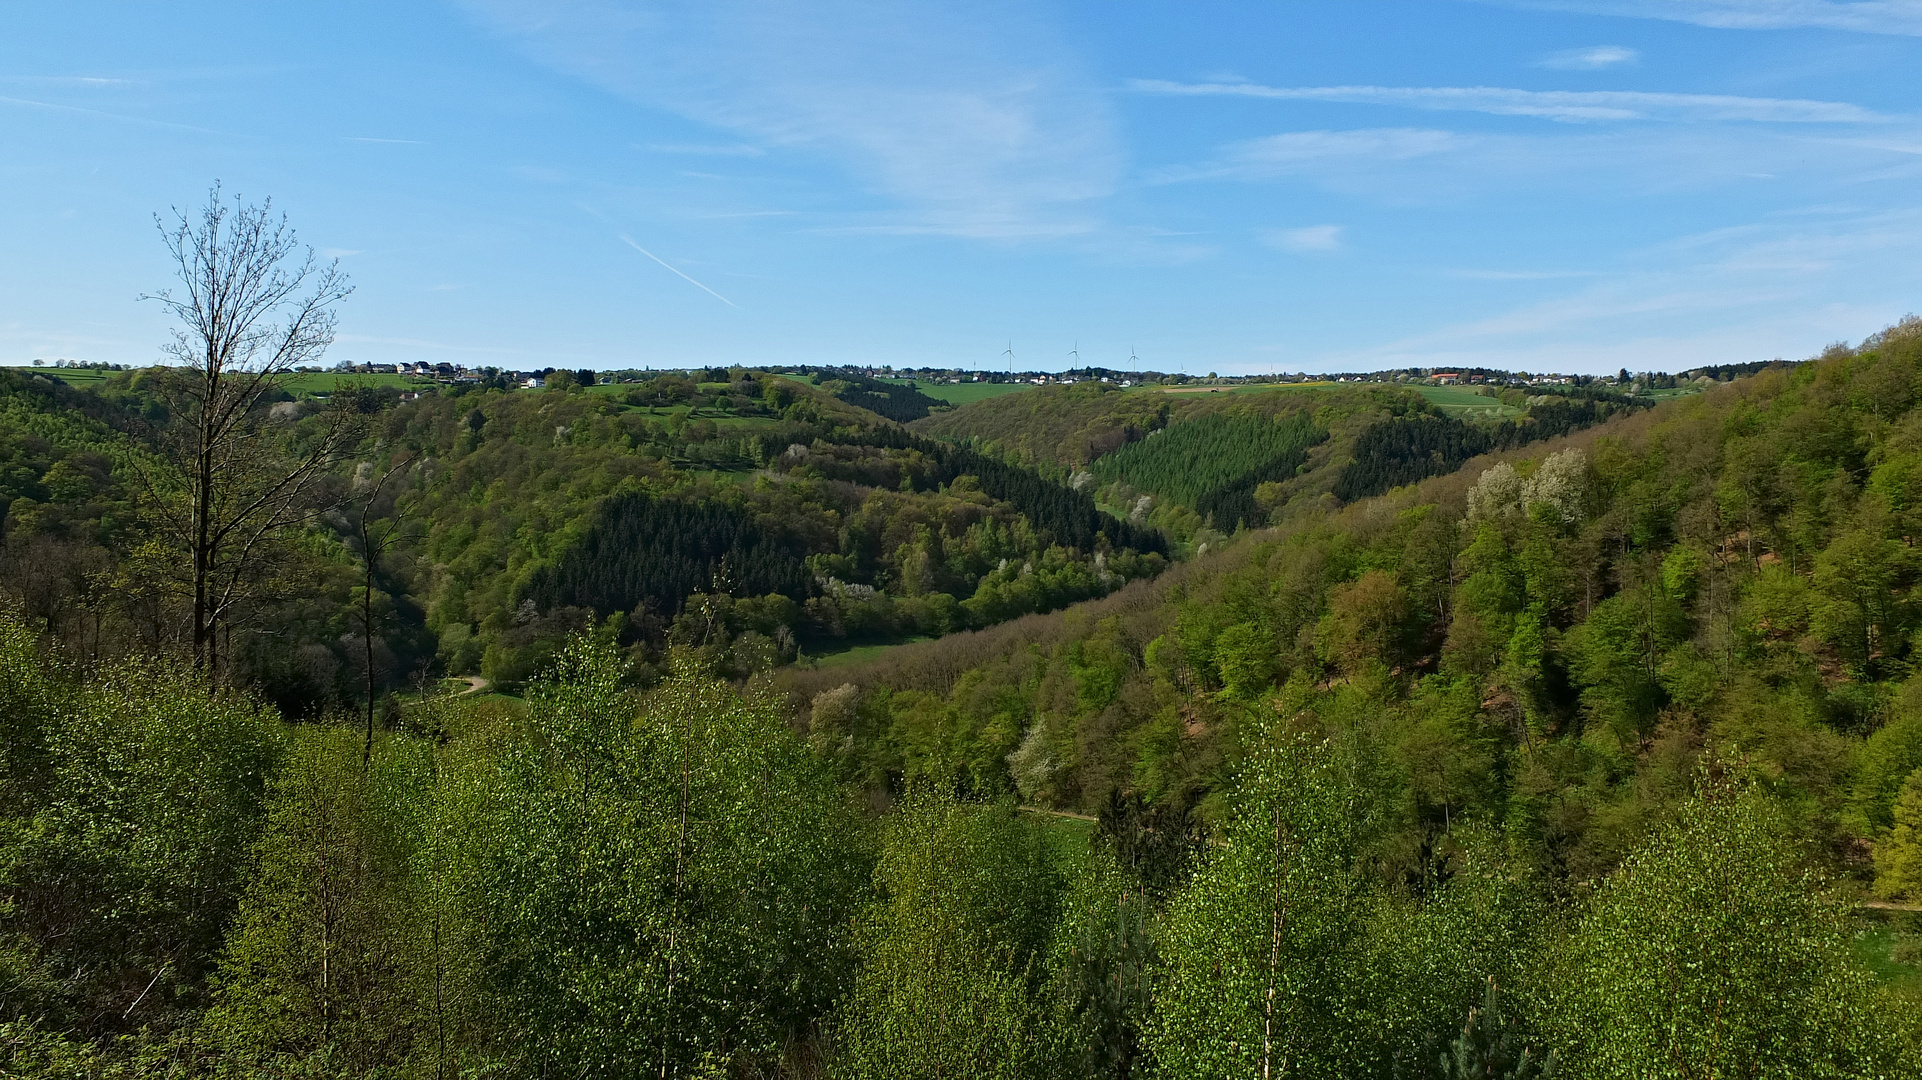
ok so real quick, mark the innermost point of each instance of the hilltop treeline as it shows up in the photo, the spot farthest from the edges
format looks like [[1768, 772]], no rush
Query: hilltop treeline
[[894, 401], [1220, 461], [1061, 427], [1403, 449]]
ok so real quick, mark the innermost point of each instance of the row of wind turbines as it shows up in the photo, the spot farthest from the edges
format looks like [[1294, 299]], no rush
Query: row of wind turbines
[[1134, 362]]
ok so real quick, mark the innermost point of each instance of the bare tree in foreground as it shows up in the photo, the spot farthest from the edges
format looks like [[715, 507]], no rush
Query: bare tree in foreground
[[252, 307]]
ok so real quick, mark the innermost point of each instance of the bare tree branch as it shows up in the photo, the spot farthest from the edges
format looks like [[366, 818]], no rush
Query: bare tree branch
[[252, 308]]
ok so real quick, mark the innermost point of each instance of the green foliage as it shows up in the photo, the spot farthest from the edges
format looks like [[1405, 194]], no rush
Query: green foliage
[[1713, 950], [1102, 967], [1214, 462], [1408, 447], [559, 509], [892, 400], [1348, 770], [1886, 759], [330, 957], [123, 870], [31, 697], [1244, 658], [661, 881], [1898, 859], [1432, 952], [508, 497], [1061, 427], [953, 950], [655, 553], [1258, 968], [1491, 1045]]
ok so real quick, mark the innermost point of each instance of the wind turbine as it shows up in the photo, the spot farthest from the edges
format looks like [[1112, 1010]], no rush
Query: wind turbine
[[1134, 362], [1076, 353], [1008, 353]]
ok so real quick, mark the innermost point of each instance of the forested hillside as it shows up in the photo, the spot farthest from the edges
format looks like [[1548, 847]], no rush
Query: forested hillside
[[1201, 465], [1586, 759], [1062, 427], [1214, 463], [1585, 618], [510, 519], [892, 400], [1403, 449]]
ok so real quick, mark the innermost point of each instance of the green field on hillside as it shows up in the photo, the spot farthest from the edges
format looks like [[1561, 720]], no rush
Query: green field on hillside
[[1198, 389], [1461, 402], [1665, 393], [858, 654], [310, 382], [1466, 403], [963, 393], [326, 382], [617, 389], [80, 377]]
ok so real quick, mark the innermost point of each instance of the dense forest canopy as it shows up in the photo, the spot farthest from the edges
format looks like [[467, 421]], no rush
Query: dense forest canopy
[[1215, 462], [1200, 465], [892, 400], [1297, 732], [523, 516]]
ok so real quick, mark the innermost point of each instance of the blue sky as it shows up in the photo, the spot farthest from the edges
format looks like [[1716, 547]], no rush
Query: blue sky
[[1572, 186]]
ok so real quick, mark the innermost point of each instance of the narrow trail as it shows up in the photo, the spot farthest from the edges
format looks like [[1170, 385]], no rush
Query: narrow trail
[[475, 685]]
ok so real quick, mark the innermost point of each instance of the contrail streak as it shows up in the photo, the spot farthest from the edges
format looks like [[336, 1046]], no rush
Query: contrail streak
[[105, 115], [630, 243]]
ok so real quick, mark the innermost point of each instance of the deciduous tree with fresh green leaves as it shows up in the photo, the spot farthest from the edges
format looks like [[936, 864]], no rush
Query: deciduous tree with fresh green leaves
[[954, 948], [1898, 857], [1258, 974], [1715, 951]]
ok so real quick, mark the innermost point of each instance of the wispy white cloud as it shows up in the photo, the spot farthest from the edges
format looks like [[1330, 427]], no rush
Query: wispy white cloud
[[338, 253], [1309, 239], [371, 139], [1562, 105], [975, 122], [1419, 166], [1902, 17], [1315, 151], [1375, 144], [1593, 58], [1781, 286]]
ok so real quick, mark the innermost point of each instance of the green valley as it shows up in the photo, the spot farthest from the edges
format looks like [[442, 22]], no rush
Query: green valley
[[798, 722]]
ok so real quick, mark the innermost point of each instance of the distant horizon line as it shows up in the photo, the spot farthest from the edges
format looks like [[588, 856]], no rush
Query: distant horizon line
[[53, 364]]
